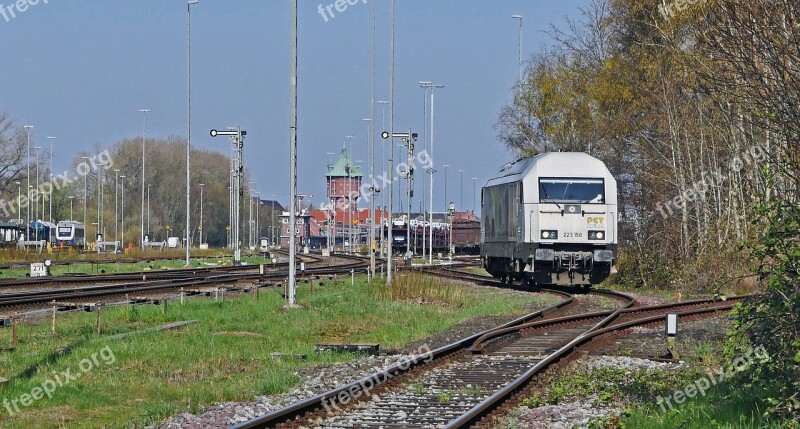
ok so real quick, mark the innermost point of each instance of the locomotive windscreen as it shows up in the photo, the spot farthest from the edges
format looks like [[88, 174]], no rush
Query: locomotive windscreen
[[570, 190]]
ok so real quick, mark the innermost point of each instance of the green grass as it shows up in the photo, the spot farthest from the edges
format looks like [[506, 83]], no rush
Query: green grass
[[728, 406], [155, 264], [225, 356]]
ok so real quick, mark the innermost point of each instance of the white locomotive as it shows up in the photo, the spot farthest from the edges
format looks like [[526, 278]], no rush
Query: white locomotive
[[550, 219]]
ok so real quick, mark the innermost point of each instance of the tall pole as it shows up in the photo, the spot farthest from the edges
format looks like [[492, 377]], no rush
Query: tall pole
[[432, 171], [272, 221], [189, 117], [144, 133], [425, 85], [28, 177], [250, 214], [372, 146], [116, 204], [474, 194], [148, 209], [383, 165], [461, 174], [36, 212], [391, 142], [520, 44], [71, 216], [50, 197], [293, 165], [201, 212], [85, 200], [123, 212], [19, 201]]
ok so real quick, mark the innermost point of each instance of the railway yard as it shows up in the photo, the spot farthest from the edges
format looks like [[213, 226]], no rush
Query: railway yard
[[227, 214], [479, 366]]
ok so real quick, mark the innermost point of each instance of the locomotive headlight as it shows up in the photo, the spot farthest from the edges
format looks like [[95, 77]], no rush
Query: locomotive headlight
[[597, 235], [549, 235]]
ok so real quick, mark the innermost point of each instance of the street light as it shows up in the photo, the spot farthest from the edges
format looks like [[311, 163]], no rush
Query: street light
[[123, 211], [116, 204], [148, 208], [36, 212], [28, 177], [432, 171], [85, 198], [461, 173], [144, 113], [189, 117], [372, 187], [19, 200], [383, 164], [474, 194], [520, 44], [201, 212], [50, 197]]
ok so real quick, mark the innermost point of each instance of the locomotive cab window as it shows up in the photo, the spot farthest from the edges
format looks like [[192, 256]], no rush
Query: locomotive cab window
[[572, 190]]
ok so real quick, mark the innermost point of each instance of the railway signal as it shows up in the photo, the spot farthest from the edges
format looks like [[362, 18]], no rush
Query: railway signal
[[237, 138], [408, 140]]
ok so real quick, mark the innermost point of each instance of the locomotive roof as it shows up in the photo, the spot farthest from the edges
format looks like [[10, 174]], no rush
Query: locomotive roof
[[552, 164]]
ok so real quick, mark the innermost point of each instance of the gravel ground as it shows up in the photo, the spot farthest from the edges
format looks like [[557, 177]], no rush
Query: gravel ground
[[580, 412], [316, 380]]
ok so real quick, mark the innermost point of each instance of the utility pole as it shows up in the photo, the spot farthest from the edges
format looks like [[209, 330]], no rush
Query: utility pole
[[144, 133], [189, 119], [386, 135], [293, 167]]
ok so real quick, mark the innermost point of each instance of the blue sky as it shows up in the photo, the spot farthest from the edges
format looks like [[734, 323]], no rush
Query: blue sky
[[80, 70]]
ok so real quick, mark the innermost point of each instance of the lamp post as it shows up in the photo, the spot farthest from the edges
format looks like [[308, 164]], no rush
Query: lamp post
[[272, 221], [28, 177], [390, 134], [122, 196], [258, 218], [189, 117], [85, 198], [201, 213], [36, 211], [383, 163], [50, 197], [292, 283], [148, 209], [519, 17], [19, 200], [461, 174], [474, 194], [116, 204], [144, 113], [250, 214], [371, 142], [431, 171], [71, 197], [349, 169]]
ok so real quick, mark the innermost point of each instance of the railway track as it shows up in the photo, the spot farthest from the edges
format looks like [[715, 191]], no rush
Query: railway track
[[126, 285], [462, 384]]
